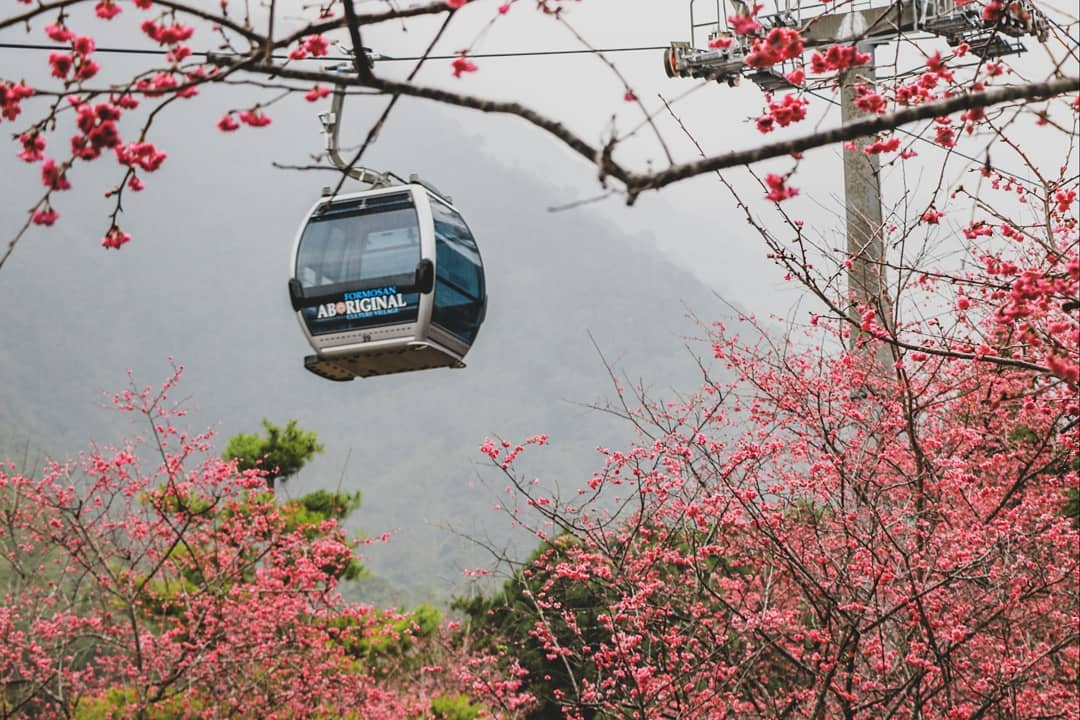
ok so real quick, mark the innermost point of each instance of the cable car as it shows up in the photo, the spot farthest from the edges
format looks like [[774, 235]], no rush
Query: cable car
[[386, 280]]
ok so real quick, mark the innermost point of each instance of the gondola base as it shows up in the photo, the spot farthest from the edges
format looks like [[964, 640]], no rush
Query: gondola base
[[415, 356]]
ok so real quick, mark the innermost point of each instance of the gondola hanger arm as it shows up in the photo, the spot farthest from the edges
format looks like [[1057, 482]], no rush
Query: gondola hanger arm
[[331, 122]]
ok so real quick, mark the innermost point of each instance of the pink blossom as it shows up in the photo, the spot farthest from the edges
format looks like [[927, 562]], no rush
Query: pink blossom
[[33, 146], [837, 58], [744, 24], [882, 146], [115, 238], [1064, 200], [227, 124], [83, 45], [316, 93], [993, 11], [58, 33], [54, 177], [778, 45], [61, 64], [790, 110], [140, 154], [46, 217], [107, 9], [462, 64], [778, 190], [254, 118], [316, 45]]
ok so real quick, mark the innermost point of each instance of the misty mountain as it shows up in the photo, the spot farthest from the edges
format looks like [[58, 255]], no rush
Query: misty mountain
[[204, 281]]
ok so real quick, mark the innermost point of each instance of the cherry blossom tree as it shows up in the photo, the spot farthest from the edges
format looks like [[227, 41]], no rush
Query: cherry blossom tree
[[185, 590], [867, 516], [817, 538]]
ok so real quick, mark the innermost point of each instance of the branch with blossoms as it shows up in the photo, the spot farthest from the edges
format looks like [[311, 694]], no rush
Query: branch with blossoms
[[1032, 277], [251, 44], [810, 539], [185, 588], [636, 183]]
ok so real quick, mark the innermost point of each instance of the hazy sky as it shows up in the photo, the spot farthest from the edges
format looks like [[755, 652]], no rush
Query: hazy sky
[[204, 278]]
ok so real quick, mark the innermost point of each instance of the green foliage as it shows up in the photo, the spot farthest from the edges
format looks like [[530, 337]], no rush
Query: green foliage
[[453, 707], [281, 451], [1022, 433], [390, 648], [315, 507], [117, 700], [507, 618]]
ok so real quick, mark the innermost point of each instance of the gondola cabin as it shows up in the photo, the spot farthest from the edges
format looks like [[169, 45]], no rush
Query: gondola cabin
[[386, 281]]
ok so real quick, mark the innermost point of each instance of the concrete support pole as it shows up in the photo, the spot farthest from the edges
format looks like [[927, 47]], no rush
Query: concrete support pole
[[862, 200]]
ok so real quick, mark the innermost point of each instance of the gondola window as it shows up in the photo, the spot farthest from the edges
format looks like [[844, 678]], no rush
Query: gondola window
[[358, 248], [459, 284]]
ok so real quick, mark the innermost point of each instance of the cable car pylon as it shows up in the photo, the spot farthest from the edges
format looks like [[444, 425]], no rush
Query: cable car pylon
[[865, 24]]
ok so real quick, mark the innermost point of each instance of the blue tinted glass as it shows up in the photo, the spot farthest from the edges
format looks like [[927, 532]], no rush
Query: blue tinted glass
[[456, 312], [459, 275], [357, 247], [456, 267]]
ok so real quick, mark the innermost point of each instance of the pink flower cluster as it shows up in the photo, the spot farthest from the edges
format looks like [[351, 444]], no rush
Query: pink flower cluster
[[883, 145], [167, 34], [115, 238], [462, 64], [33, 144], [98, 128], [790, 110], [76, 66], [778, 45], [107, 9], [140, 154], [778, 189], [312, 45], [191, 572], [745, 23], [11, 95], [837, 58]]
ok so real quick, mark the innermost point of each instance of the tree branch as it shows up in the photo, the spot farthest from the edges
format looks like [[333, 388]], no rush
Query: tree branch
[[860, 128], [636, 183]]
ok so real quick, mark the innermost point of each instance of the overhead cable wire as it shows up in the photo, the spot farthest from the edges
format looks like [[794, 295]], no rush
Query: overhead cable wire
[[376, 57], [492, 55], [1064, 31]]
